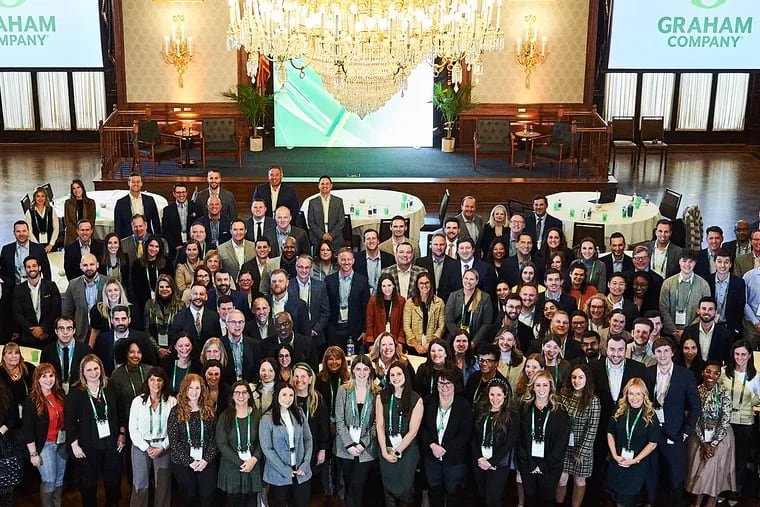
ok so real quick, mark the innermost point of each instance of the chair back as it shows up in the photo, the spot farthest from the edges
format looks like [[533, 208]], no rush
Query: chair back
[[385, 228], [671, 201], [147, 132], [348, 232], [515, 206], [493, 132], [26, 203], [300, 221], [694, 225], [652, 127], [623, 128], [443, 207], [219, 129], [593, 231], [562, 133]]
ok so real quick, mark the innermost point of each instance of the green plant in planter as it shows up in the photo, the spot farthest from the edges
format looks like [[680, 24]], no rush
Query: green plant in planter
[[451, 103], [254, 105]]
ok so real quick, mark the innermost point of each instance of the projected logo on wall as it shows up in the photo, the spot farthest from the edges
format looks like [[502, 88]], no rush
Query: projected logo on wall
[[10, 3], [706, 5], [306, 115]]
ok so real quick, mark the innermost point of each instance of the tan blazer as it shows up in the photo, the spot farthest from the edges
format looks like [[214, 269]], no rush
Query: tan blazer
[[413, 321]]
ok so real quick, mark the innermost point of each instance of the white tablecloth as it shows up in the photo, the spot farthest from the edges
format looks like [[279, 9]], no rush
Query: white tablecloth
[[388, 204], [636, 229], [105, 201]]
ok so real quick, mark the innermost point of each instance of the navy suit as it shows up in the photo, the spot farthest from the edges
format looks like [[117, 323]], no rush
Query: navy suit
[[8, 263], [736, 297], [510, 267], [720, 345], [297, 310], [627, 270], [72, 256], [549, 222], [486, 278], [238, 299], [287, 196], [702, 268], [318, 308], [122, 216], [224, 230], [26, 318], [566, 302], [357, 307], [184, 324], [171, 226], [449, 272]]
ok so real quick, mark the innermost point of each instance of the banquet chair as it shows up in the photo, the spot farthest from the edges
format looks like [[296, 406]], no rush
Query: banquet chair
[[431, 226], [652, 134], [26, 203], [671, 201], [593, 231], [219, 137], [385, 228], [493, 139], [623, 139], [150, 144]]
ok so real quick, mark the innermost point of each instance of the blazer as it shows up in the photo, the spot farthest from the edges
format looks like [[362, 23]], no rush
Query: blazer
[[730, 247], [482, 316], [511, 269], [357, 304], [302, 241], [297, 310], [360, 262], [238, 299], [335, 221], [171, 226], [486, 278], [274, 444], [566, 303], [8, 262], [627, 270], [549, 222], [75, 304], [376, 319], [106, 348], [72, 256], [252, 356], [347, 416], [122, 216], [184, 323], [631, 369], [303, 349], [140, 288], [555, 442], [35, 426], [229, 259], [50, 355], [413, 272], [317, 307], [702, 268], [269, 226], [229, 204], [743, 264], [449, 272], [413, 329], [464, 233], [80, 420], [456, 435], [224, 230], [674, 251], [682, 406], [26, 318], [286, 196], [388, 247], [720, 345], [736, 298], [70, 216]]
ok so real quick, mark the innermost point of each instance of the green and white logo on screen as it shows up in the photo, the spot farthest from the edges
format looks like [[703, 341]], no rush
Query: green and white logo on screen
[[11, 3], [707, 4]]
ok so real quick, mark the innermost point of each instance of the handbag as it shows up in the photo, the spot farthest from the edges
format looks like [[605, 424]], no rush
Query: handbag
[[11, 470]]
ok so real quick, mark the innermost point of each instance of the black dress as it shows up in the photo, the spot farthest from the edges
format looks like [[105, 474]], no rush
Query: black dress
[[627, 482]]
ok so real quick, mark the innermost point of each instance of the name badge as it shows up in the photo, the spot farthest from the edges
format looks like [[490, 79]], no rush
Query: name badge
[[387, 327], [709, 435], [626, 453], [660, 415], [680, 318], [163, 340], [396, 440], [344, 314], [104, 431], [355, 433], [244, 455], [20, 411], [423, 339], [196, 453], [65, 386], [486, 451], [757, 312], [43, 238], [537, 449], [61, 438]]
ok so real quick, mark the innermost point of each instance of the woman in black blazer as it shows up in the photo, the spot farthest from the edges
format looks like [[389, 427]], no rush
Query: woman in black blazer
[[144, 275], [444, 436]]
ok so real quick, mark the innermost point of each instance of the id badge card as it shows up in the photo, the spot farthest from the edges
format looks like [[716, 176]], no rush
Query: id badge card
[[355, 433], [244, 455], [163, 340], [65, 387], [757, 312], [660, 415], [196, 453], [387, 327], [626, 453], [680, 318], [537, 449], [344, 314], [423, 339], [61, 438], [396, 440], [571, 440], [486, 451], [709, 435], [20, 411], [104, 431]]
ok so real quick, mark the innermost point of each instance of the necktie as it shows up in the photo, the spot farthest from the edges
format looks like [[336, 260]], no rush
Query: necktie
[[65, 365], [198, 322], [259, 231], [663, 391], [466, 267], [139, 248], [538, 227], [450, 250]]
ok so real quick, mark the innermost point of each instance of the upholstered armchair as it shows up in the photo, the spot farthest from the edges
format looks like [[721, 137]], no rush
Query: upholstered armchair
[[561, 146], [151, 144], [219, 137], [493, 139]]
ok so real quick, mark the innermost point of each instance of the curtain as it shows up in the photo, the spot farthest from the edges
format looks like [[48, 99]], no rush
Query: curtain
[[89, 99], [619, 95], [16, 96], [53, 93], [657, 96], [730, 101], [694, 101]]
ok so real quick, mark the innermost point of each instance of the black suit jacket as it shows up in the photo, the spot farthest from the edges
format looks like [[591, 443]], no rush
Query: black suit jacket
[[627, 271], [106, 349], [23, 312], [549, 222], [122, 216], [184, 324], [72, 256], [303, 350], [238, 299], [319, 308], [50, 355], [8, 263], [702, 268], [632, 369], [224, 230], [171, 227], [357, 304], [360, 262], [449, 272], [682, 405], [736, 298], [287, 196], [455, 437], [252, 356], [566, 303], [297, 310], [510, 267], [268, 229], [486, 277], [720, 345]]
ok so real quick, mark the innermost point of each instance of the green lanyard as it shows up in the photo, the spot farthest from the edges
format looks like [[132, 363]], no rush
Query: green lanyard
[[485, 442], [160, 419], [105, 402], [142, 379], [175, 387], [190, 440], [363, 416], [390, 418], [533, 424], [59, 423], [442, 413], [237, 427], [628, 428], [688, 296], [744, 383]]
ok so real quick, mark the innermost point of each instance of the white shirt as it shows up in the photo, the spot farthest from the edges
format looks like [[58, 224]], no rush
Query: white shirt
[[705, 338], [140, 421], [403, 282], [136, 205], [615, 377]]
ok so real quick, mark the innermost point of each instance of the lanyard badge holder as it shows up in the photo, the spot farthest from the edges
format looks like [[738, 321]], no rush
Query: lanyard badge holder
[[196, 452], [244, 452], [538, 442], [104, 430], [394, 436], [627, 451], [486, 445]]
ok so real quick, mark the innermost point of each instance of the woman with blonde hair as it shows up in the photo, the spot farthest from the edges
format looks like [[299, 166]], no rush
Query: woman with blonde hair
[[497, 227], [598, 308], [113, 294], [384, 352], [214, 349], [632, 435], [212, 261], [16, 372], [192, 442], [43, 425], [42, 220]]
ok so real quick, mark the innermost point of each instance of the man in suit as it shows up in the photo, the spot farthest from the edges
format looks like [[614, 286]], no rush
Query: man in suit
[[470, 224], [467, 260], [749, 261], [133, 246], [617, 261], [261, 326], [740, 245], [178, 217], [559, 327], [404, 272], [713, 341], [284, 229], [82, 294], [508, 307], [223, 287], [114, 342], [198, 233], [216, 224], [348, 293], [729, 292], [84, 244], [553, 283], [303, 348], [260, 224], [706, 257], [275, 193], [66, 353], [261, 266], [227, 200], [314, 295], [371, 261], [673, 392], [195, 321], [243, 352], [235, 252], [280, 301], [440, 265], [326, 216], [451, 231], [664, 254], [399, 234], [538, 223], [514, 264], [135, 203], [12, 257], [36, 307]]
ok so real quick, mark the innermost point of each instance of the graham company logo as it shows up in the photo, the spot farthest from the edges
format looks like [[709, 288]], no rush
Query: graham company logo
[[11, 3], [708, 4]]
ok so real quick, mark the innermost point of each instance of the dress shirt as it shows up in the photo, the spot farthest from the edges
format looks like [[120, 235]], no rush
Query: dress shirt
[[236, 344], [239, 250], [263, 329], [278, 305], [34, 291], [325, 209], [274, 193], [617, 264], [182, 212], [721, 291], [451, 249], [84, 248], [197, 314], [472, 229], [258, 229], [344, 291], [705, 338], [615, 377], [136, 204], [659, 262], [619, 304], [662, 385], [91, 293], [752, 306], [282, 236], [527, 318], [374, 268], [464, 266], [142, 419], [540, 223], [438, 269], [404, 280], [223, 327], [304, 294]]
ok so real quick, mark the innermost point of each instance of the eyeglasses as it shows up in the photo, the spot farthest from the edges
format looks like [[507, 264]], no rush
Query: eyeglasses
[[444, 383], [236, 322], [240, 393], [486, 360], [65, 328], [640, 257]]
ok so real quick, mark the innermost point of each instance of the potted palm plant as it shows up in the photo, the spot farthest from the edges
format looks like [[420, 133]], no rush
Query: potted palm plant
[[255, 107], [450, 103]]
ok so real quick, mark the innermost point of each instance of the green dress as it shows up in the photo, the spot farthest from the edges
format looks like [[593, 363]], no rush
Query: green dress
[[230, 479], [398, 478]]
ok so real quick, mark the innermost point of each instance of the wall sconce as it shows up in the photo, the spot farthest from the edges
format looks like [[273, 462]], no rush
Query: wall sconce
[[527, 53], [178, 49]]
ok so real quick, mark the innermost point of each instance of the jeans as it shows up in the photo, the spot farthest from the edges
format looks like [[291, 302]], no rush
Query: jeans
[[53, 467]]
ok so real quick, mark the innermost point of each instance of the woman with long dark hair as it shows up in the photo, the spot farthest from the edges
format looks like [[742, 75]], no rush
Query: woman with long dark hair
[[466, 361], [440, 356], [77, 207], [180, 363], [264, 390], [596, 271], [144, 274], [552, 361], [129, 377], [114, 263], [385, 311], [423, 315], [576, 284], [511, 360], [325, 263], [495, 257], [161, 310], [218, 392], [283, 353], [184, 273]]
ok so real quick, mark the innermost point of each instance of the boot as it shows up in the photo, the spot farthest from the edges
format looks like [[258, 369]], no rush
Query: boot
[[57, 497], [46, 494], [390, 500], [139, 498]]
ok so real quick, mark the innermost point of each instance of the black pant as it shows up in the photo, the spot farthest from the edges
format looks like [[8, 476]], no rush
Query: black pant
[[354, 476], [293, 495], [100, 463], [198, 488], [540, 489], [744, 438]]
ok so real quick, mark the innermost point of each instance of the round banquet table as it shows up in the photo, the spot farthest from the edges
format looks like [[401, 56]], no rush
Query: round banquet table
[[105, 201], [388, 204], [636, 229]]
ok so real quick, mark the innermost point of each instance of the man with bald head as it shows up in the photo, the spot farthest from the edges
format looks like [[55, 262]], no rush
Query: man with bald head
[[82, 294], [284, 227], [243, 352], [216, 224]]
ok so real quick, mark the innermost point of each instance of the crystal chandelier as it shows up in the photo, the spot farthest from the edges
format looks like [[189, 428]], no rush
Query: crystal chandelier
[[354, 43]]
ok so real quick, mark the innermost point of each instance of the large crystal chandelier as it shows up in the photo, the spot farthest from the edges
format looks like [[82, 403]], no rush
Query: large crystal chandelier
[[365, 47]]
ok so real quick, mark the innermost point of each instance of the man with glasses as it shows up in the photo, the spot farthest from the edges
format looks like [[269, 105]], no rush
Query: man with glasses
[[516, 226], [477, 384], [507, 313], [590, 343], [616, 284], [641, 261], [303, 349], [314, 295], [243, 352], [66, 353]]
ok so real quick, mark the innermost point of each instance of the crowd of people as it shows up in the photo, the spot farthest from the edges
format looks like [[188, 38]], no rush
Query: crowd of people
[[197, 349]]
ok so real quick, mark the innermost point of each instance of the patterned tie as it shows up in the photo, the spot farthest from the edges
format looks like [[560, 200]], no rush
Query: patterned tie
[[139, 248], [198, 322]]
